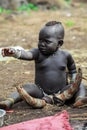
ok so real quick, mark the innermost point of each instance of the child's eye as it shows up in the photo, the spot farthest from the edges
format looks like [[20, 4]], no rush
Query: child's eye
[[48, 42]]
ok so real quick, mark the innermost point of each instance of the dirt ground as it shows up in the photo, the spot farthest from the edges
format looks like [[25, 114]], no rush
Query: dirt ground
[[22, 30]]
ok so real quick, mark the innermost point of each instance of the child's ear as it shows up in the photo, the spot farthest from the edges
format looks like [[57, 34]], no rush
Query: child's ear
[[60, 42]]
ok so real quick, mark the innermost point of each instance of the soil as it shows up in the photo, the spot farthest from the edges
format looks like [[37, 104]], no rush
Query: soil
[[22, 30]]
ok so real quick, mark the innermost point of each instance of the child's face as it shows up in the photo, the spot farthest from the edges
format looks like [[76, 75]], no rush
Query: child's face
[[48, 42], [47, 46]]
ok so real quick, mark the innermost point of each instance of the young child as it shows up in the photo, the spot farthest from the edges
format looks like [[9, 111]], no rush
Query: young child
[[51, 84]]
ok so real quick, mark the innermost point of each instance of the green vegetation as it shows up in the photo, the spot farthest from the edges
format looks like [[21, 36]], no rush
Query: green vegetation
[[2, 10], [68, 1], [70, 23], [27, 8]]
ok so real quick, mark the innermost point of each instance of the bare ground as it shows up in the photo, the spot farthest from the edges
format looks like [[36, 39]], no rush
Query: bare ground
[[22, 30]]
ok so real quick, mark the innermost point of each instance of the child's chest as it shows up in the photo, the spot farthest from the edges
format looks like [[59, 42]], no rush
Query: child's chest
[[53, 62]]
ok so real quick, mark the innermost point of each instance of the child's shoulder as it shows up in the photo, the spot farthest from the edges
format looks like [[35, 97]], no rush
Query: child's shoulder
[[65, 52], [34, 49], [35, 52]]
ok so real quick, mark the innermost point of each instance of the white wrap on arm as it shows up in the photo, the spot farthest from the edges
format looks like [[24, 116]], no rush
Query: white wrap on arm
[[17, 51]]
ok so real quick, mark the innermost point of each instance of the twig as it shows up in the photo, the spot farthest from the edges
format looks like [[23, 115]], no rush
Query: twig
[[78, 115], [80, 119]]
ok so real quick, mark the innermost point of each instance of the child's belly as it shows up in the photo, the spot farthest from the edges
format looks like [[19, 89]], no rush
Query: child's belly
[[51, 82]]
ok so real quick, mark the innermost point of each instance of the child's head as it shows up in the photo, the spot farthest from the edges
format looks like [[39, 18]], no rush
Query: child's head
[[51, 37]]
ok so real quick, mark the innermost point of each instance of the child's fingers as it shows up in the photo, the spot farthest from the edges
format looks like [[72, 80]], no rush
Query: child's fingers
[[5, 52]]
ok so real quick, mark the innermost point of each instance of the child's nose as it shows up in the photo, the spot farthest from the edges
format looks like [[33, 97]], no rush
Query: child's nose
[[43, 44]]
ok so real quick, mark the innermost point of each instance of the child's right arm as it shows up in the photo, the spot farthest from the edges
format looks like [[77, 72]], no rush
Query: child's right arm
[[17, 53]]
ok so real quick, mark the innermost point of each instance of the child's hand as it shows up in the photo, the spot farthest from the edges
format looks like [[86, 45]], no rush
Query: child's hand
[[8, 52]]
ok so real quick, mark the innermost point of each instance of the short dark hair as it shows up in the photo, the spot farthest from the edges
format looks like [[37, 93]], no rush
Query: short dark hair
[[51, 23]]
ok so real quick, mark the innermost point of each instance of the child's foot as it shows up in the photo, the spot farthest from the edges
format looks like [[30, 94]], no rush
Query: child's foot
[[3, 105], [58, 101], [80, 102], [6, 104], [48, 99]]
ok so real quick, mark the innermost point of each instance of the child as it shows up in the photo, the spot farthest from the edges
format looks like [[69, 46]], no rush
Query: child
[[50, 71]]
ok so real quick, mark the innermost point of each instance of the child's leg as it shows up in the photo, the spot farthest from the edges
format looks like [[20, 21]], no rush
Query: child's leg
[[37, 102], [10, 100], [15, 97], [81, 98]]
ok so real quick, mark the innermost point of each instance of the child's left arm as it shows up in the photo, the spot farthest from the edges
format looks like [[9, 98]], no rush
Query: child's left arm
[[71, 68]]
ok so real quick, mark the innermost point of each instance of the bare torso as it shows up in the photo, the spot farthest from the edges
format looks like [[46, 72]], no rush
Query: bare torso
[[50, 72]]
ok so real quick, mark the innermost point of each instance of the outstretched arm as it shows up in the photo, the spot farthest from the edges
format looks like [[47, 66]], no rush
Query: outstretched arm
[[17, 53]]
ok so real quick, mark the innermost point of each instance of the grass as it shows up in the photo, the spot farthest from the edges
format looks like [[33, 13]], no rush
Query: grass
[[27, 8], [68, 1], [70, 23], [2, 10]]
